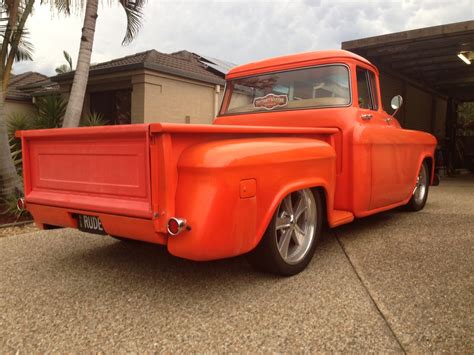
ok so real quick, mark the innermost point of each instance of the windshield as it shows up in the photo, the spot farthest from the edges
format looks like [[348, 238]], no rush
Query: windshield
[[324, 86]]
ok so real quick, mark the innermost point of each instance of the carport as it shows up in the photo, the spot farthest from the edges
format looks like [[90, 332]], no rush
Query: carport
[[433, 69]]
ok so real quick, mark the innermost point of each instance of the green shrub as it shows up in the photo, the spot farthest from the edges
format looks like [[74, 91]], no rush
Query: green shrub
[[50, 111], [17, 122], [93, 119]]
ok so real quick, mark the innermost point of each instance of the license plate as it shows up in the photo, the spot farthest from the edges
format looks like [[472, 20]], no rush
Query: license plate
[[90, 224]]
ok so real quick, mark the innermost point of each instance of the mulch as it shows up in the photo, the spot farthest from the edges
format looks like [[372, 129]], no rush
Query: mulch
[[16, 230]]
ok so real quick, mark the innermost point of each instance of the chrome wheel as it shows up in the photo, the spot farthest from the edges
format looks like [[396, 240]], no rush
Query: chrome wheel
[[421, 186], [295, 225], [288, 244]]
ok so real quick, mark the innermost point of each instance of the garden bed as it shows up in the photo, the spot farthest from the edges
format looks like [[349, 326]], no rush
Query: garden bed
[[11, 224], [9, 218]]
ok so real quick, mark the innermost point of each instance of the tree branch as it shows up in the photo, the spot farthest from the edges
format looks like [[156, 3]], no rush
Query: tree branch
[[14, 45], [12, 9]]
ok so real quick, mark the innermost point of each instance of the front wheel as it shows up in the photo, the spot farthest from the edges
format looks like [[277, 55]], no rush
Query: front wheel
[[291, 237], [420, 192]]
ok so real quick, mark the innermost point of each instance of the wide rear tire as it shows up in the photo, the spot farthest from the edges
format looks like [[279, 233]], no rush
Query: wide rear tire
[[289, 242]]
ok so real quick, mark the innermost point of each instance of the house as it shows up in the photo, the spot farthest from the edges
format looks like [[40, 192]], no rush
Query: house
[[20, 101], [150, 86]]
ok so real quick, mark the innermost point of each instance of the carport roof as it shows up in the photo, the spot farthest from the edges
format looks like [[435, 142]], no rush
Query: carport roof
[[426, 56]]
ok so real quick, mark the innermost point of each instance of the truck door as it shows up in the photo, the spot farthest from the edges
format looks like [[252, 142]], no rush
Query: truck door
[[386, 175]]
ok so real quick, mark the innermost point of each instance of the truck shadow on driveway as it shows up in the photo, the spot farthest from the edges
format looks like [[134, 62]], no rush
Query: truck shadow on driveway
[[135, 261]]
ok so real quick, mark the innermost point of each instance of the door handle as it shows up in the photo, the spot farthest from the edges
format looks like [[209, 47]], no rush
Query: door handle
[[389, 120], [366, 116]]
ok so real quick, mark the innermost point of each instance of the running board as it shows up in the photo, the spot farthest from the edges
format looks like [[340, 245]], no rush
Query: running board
[[338, 217]]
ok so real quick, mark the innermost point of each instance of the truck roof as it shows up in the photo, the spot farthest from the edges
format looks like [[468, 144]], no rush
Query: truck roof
[[293, 60]]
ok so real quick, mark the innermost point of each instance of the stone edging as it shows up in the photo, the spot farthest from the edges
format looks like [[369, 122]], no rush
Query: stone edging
[[15, 224]]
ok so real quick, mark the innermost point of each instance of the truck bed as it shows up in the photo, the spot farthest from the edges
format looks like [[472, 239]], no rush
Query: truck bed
[[123, 171]]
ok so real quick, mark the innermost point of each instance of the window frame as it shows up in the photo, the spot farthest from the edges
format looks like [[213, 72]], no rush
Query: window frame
[[371, 83]]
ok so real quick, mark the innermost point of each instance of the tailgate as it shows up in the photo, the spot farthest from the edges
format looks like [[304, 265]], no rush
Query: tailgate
[[102, 169]]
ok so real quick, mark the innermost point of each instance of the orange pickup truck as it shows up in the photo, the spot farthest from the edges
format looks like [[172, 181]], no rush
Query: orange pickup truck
[[300, 140]]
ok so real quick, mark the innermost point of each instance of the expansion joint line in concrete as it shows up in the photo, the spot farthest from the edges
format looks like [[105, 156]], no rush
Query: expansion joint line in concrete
[[368, 293]]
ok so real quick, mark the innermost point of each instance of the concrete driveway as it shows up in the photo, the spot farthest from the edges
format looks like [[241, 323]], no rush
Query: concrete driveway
[[397, 281]]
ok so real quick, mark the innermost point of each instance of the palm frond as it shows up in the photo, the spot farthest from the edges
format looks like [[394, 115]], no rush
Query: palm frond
[[68, 59], [63, 68], [65, 6], [134, 12], [25, 49], [61, 6]]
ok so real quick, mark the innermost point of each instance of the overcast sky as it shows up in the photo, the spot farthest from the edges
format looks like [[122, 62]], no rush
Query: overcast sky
[[236, 31]]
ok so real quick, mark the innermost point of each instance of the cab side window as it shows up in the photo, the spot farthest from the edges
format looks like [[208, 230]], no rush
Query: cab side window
[[373, 90], [366, 88]]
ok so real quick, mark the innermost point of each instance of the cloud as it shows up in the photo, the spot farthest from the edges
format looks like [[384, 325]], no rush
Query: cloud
[[236, 31]]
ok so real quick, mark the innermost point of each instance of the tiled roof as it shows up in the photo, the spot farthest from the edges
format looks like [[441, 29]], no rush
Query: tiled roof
[[41, 87], [136, 58], [15, 91], [183, 64]]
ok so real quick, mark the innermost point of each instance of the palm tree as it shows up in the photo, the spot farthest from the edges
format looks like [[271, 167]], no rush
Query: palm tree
[[133, 10], [14, 47], [65, 68]]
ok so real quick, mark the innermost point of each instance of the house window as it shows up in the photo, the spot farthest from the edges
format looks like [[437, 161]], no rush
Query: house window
[[114, 106]]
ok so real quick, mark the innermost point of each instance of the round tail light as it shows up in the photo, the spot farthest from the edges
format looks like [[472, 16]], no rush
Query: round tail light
[[176, 225], [20, 204]]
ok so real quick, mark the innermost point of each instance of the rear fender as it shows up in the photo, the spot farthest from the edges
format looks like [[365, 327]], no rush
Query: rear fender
[[228, 190]]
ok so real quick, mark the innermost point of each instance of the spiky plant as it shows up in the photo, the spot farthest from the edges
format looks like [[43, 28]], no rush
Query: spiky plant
[[93, 119], [50, 111], [17, 122]]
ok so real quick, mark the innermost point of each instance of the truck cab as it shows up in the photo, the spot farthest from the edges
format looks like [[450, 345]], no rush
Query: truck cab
[[375, 164]]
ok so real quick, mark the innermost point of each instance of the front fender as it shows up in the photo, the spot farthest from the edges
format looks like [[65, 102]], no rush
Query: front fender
[[228, 190]]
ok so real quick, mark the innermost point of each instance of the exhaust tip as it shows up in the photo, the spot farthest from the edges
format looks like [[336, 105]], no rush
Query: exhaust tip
[[176, 225], [20, 204]]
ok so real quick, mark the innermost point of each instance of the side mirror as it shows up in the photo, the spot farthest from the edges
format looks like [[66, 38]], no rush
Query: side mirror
[[396, 103]]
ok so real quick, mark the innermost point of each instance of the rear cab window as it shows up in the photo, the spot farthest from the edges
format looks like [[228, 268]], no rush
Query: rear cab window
[[315, 87]]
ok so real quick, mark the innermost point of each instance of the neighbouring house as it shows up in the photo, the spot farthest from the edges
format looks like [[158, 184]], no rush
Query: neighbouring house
[[150, 86], [20, 100]]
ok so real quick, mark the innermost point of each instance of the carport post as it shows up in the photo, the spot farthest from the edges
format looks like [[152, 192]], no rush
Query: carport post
[[451, 123]]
